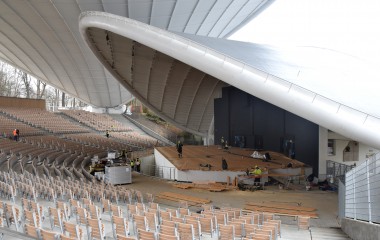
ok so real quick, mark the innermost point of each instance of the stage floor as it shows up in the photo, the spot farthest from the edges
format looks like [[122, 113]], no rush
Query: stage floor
[[238, 159]]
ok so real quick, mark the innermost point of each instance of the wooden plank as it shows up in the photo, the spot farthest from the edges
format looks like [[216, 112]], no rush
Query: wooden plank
[[282, 206], [183, 197], [282, 211]]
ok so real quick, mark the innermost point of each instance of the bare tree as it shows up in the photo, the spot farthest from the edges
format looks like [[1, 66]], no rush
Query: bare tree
[[26, 79], [63, 99], [41, 87]]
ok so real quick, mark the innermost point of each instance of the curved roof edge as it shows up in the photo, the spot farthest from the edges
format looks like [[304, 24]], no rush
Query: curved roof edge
[[337, 117]]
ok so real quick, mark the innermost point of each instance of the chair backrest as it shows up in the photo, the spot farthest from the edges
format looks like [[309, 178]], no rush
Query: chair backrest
[[226, 232], [96, 227], [221, 218], [207, 225], [12, 215], [115, 210], [239, 228], [268, 216], [181, 212], [55, 216], [120, 226], [250, 228], [86, 202], [152, 221], [64, 209], [105, 205], [30, 218], [162, 236], [168, 230], [37, 208], [46, 235], [168, 223], [94, 211], [81, 215], [145, 235], [25, 203], [140, 207], [31, 231], [271, 228], [164, 215], [178, 219], [196, 227], [186, 231], [131, 210], [74, 205], [139, 222], [278, 222], [73, 230], [154, 205]]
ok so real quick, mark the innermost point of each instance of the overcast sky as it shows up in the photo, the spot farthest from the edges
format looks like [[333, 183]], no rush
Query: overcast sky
[[349, 26], [344, 35]]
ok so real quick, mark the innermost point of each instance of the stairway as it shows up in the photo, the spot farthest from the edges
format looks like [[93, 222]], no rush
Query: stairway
[[125, 121]]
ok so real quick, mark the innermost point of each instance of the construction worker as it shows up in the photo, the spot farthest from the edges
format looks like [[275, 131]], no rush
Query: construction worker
[[222, 143], [132, 164], [15, 134], [138, 163], [257, 173], [179, 149]]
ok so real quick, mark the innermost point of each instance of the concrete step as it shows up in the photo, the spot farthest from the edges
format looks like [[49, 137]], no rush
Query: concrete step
[[328, 233], [291, 232]]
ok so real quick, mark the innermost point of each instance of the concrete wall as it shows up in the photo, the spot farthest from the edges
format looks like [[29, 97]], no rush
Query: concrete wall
[[359, 230], [340, 144], [22, 102], [199, 176], [167, 167]]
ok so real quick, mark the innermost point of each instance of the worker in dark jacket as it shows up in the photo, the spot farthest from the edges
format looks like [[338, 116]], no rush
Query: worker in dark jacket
[[179, 149]]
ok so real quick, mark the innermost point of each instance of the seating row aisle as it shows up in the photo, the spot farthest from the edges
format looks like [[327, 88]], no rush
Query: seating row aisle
[[43, 119], [97, 121], [49, 208], [33, 122], [7, 126]]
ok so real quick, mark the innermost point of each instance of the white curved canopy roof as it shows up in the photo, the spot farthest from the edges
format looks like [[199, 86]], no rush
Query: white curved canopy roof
[[178, 75], [42, 37]]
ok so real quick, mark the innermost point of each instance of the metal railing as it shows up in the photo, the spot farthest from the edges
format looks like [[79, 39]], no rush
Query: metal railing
[[335, 171], [362, 200], [158, 171]]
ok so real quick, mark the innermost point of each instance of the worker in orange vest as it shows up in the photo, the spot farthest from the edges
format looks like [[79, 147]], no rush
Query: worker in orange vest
[[15, 134]]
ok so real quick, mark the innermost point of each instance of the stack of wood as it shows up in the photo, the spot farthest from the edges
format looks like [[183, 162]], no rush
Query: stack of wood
[[176, 197], [207, 185], [282, 209]]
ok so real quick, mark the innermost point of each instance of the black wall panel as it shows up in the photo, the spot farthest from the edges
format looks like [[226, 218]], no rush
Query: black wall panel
[[260, 123]]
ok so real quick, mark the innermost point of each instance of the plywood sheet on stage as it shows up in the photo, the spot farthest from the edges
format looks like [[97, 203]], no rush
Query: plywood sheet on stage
[[238, 159]]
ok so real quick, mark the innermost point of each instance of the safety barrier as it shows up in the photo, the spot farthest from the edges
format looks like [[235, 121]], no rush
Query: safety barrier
[[363, 191]]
